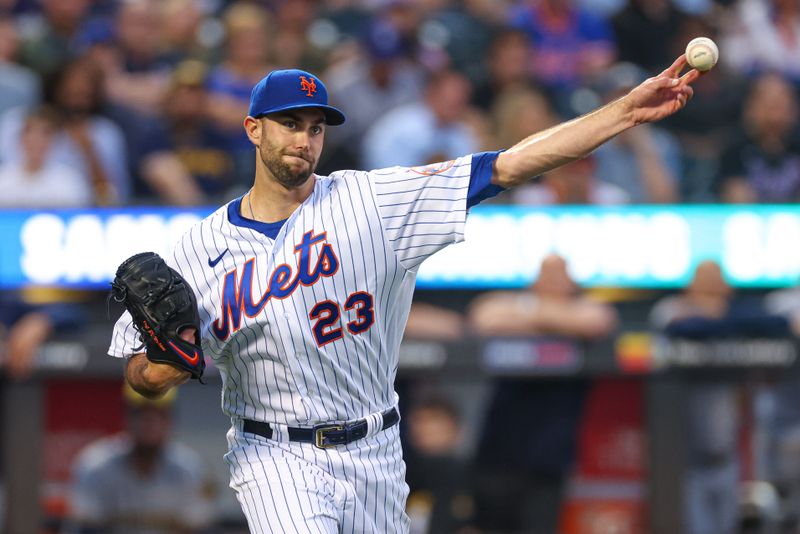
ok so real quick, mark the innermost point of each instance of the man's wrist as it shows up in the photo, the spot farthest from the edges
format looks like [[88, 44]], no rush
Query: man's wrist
[[625, 110], [164, 375], [153, 380]]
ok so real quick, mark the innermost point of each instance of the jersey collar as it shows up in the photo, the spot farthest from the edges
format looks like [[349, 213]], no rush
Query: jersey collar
[[237, 219]]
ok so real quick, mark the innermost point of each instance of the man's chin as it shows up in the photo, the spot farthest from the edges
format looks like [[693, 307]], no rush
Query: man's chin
[[292, 179], [290, 171]]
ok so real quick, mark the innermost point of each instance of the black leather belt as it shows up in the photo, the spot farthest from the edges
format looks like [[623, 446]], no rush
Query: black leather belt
[[325, 435]]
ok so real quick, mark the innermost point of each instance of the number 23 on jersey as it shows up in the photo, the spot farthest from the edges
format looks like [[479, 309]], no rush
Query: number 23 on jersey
[[327, 314], [237, 298]]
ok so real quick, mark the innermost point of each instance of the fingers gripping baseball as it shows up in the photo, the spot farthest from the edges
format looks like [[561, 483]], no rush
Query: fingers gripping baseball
[[663, 95]]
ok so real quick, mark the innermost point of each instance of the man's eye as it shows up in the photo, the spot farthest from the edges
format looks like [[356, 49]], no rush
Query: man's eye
[[317, 130], [289, 124]]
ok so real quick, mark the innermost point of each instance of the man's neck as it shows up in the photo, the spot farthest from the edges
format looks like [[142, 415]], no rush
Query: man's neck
[[269, 201]]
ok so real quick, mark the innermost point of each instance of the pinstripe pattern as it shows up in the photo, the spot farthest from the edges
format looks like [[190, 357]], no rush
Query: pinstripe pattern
[[356, 488], [279, 365]]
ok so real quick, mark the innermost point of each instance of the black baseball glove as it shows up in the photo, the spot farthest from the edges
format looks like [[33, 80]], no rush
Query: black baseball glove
[[162, 305]]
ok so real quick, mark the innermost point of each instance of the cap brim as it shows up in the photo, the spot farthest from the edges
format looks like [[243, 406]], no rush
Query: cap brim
[[333, 117]]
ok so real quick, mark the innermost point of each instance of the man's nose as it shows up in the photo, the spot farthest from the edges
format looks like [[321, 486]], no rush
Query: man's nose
[[303, 140]]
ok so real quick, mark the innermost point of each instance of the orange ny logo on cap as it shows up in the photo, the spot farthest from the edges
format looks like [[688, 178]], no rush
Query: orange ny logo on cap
[[310, 86]]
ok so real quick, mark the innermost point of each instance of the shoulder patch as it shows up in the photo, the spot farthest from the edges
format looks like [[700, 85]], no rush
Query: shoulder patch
[[434, 168]]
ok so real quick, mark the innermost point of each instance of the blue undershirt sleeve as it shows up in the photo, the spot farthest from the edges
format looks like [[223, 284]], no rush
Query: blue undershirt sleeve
[[480, 179]]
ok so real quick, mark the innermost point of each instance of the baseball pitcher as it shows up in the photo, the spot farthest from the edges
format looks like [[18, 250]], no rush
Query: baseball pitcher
[[299, 292]]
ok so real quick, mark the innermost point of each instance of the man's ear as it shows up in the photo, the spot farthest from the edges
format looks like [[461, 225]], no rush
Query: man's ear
[[253, 128]]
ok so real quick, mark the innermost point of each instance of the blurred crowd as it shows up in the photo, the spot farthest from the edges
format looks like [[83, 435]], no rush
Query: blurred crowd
[[109, 102], [141, 102], [740, 432]]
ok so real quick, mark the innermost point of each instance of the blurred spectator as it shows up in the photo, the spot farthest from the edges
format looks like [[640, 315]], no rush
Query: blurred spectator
[[576, 183], [36, 180], [380, 79], [22, 342], [705, 311], [139, 76], [428, 321], [87, 142], [458, 30], [762, 162], [140, 30], [440, 498], [98, 42], [183, 31], [25, 327], [404, 17], [351, 21], [19, 86], [786, 302], [49, 43], [507, 68], [570, 44], [21, 337], [763, 36], [644, 32], [184, 159], [529, 437], [552, 305], [247, 58], [782, 447], [141, 482], [427, 131], [290, 40], [20, 7], [645, 161], [701, 8], [518, 113]]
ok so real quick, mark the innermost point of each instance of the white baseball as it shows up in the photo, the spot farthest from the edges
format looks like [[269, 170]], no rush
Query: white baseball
[[702, 53]]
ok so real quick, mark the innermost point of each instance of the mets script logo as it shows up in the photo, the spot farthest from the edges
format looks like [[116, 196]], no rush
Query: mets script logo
[[434, 168], [309, 86], [237, 294]]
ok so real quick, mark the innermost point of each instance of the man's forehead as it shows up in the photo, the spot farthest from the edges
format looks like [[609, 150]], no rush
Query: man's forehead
[[300, 115]]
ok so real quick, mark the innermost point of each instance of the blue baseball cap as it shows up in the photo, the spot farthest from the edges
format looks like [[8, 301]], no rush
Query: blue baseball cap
[[281, 90]]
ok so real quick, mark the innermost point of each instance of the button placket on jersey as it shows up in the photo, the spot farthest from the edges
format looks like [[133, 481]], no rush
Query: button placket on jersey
[[291, 363]]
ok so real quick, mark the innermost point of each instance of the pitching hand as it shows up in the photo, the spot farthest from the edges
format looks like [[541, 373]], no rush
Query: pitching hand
[[662, 95]]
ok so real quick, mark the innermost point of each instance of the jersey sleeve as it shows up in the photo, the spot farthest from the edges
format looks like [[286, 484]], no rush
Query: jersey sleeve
[[125, 341], [424, 209]]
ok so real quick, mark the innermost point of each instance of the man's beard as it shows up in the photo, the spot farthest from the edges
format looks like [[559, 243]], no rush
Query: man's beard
[[282, 172]]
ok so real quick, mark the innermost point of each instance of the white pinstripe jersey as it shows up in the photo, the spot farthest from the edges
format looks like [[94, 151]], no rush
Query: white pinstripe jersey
[[305, 327]]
